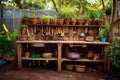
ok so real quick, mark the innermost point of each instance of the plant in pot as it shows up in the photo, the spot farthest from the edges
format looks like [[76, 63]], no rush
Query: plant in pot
[[60, 17], [68, 12], [114, 55], [73, 21], [25, 19], [33, 19], [23, 31], [86, 18], [46, 19], [104, 32], [6, 38], [53, 20], [99, 17]]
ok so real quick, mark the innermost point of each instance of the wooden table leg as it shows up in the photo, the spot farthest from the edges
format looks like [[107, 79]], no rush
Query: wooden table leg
[[19, 55], [59, 57]]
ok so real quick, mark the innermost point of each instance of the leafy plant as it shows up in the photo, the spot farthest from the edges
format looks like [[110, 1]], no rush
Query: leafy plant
[[67, 11], [104, 32], [114, 53], [96, 14], [23, 28], [46, 18], [5, 40], [25, 16]]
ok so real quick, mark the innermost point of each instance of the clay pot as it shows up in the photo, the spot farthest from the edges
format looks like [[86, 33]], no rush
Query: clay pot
[[66, 21], [39, 21], [60, 21], [90, 54], [33, 20], [73, 22], [53, 22], [79, 22], [87, 22], [99, 68], [22, 37]]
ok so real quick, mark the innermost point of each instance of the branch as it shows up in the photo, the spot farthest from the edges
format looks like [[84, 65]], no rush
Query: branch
[[104, 9], [18, 2], [55, 6]]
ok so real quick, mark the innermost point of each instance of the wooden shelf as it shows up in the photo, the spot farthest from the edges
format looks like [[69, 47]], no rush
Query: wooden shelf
[[94, 26], [82, 60], [65, 42], [23, 58]]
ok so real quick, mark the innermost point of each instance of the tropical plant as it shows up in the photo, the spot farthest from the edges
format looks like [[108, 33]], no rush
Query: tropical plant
[[6, 38], [114, 54]]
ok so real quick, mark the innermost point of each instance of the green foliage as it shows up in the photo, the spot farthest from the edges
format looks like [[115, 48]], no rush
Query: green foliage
[[114, 53], [5, 40], [104, 32], [67, 11], [46, 18], [96, 14], [25, 16]]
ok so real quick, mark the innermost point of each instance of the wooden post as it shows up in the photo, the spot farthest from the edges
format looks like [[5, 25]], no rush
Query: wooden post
[[59, 56], [19, 55], [107, 65]]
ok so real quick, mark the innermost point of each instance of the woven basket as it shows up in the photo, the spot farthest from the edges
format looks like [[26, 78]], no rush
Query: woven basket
[[80, 68], [69, 67], [47, 55]]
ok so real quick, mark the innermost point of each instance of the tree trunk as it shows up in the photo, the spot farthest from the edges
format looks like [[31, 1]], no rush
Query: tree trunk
[[113, 19]]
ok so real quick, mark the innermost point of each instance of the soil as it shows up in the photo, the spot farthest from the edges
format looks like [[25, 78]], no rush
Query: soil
[[48, 73]]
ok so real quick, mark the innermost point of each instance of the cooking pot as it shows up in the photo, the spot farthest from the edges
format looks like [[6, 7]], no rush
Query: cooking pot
[[74, 55]]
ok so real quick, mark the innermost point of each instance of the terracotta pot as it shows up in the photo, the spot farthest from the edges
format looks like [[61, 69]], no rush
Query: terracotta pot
[[39, 21], [90, 54], [60, 21], [46, 22], [33, 20], [53, 22], [66, 21], [100, 68], [87, 22], [22, 37], [79, 22], [99, 22], [73, 22]]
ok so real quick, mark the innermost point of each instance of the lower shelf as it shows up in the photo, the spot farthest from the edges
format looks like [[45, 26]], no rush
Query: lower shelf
[[23, 58], [82, 60], [64, 59]]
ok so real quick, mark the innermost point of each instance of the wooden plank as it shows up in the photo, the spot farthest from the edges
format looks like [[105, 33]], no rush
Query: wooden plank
[[64, 42], [59, 57], [23, 58], [82, 60]]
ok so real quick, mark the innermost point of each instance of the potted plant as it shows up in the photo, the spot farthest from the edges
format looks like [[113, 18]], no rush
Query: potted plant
[[6, 38], [53, 20], [73, 21], [25, 19], [60, 17], [46, 19], [23, 31], [67, 12], [104, 32], [86, 18], [33, 19]]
